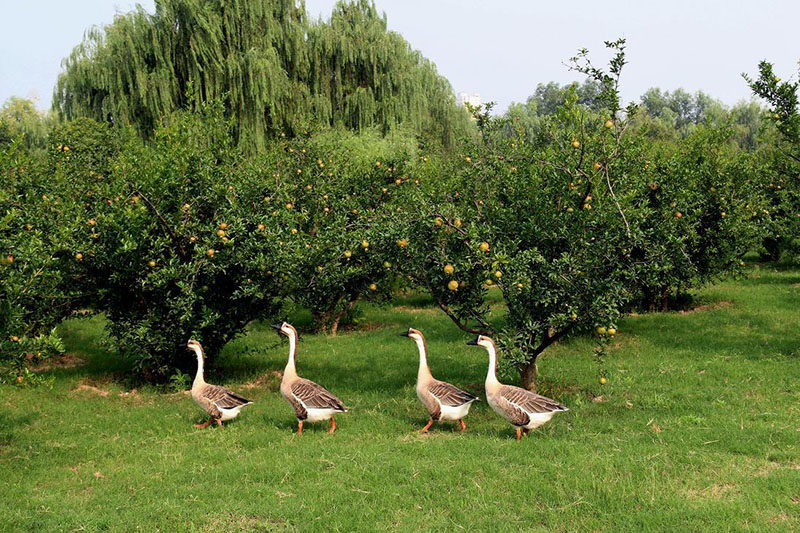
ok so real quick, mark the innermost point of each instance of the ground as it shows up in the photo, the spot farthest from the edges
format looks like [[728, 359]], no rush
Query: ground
[[697, 428]]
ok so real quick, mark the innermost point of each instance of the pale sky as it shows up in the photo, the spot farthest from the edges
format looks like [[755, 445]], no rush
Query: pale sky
[[501, 49]]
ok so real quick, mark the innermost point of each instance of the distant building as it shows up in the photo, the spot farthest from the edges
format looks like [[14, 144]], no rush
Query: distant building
[[473, 99]]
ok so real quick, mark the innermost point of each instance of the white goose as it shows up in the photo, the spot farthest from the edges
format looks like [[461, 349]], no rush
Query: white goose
[[525, 410], [311, 402], [443, 400], [220, 403]]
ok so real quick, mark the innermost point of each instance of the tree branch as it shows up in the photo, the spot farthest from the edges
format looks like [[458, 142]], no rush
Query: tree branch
[[463, 327], [550, 339], [164, 225]]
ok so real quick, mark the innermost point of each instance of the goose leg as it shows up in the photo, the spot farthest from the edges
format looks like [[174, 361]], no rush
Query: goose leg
[[219, 423], [519, 433], [463, 426], [211, 421], [425, 429], [333, 426], [299, 427]]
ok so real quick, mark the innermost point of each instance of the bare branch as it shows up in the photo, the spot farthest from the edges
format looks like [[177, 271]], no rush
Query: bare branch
[[462, 326], [164, 224], [550, 339]]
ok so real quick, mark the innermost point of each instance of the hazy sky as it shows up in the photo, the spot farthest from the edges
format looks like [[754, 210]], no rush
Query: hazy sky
[[501, 49]]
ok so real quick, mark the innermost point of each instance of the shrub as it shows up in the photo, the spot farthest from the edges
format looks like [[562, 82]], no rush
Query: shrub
[[783, 188], [539, 221], [40, 213], [345, 187], [186, 246], [698, 212]]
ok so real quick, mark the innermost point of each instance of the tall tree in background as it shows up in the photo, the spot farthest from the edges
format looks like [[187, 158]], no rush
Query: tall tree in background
[[784, 189], [19, 116], [278, 72], [369, 76]]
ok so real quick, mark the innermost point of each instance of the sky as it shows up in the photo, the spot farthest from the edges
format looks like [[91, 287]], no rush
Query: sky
[[501, 49]]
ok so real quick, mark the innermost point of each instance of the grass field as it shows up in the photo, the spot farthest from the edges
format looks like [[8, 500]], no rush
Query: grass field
[[697, 428]]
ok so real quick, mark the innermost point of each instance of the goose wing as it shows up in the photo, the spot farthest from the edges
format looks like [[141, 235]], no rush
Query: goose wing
[[449, 394], [519, 403], [222, 397], [315, 396]]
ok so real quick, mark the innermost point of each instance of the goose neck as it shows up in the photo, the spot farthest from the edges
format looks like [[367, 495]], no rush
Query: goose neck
[[424, 371], [291, 365], [199, 376], [491, 375]]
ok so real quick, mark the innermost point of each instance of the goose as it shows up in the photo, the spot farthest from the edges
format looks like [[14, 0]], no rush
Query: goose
[[219, 402], [443, 400], [311, 402], [525, 410]]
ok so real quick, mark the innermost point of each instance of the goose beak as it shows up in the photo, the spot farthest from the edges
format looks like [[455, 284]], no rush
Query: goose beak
[[183, 345], [473, 342], [404, 334], [277, 326]]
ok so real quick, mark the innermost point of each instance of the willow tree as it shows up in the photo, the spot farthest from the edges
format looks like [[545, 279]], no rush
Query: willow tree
[[369, 76], [276, 71]]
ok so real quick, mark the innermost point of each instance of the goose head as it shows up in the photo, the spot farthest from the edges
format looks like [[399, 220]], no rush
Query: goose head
[[412, 334], [191, 344], [286, 329], [483, 341]]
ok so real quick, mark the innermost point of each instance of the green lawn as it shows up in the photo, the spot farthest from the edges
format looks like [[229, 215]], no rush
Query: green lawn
[[697, 428]]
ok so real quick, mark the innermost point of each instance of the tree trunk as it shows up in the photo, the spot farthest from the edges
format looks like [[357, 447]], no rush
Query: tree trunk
[[339, 315], [664, 294], [648, 298], [322, 319], [527, 372]]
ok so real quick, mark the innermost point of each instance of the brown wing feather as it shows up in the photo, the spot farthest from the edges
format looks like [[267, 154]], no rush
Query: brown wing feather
[[222, 397], [316, 396], [513, 413], [299, 410], [449, 394], [530, 401], [210, 408]]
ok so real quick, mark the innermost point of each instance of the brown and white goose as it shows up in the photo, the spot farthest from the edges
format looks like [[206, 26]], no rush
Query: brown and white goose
[[525, 410], [220, 403], [311, 402], [443, 400]]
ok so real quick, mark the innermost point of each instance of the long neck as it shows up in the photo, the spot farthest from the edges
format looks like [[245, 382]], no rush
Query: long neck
[[424, 371], [291, 367], [198, 378], [491, 375]]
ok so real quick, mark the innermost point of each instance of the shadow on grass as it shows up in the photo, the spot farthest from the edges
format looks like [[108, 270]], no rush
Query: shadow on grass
[[376, 359], [11, 425], [773, 277], [759, 323]]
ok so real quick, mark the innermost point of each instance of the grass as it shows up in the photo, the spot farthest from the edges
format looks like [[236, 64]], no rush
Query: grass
[[696, 429]]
